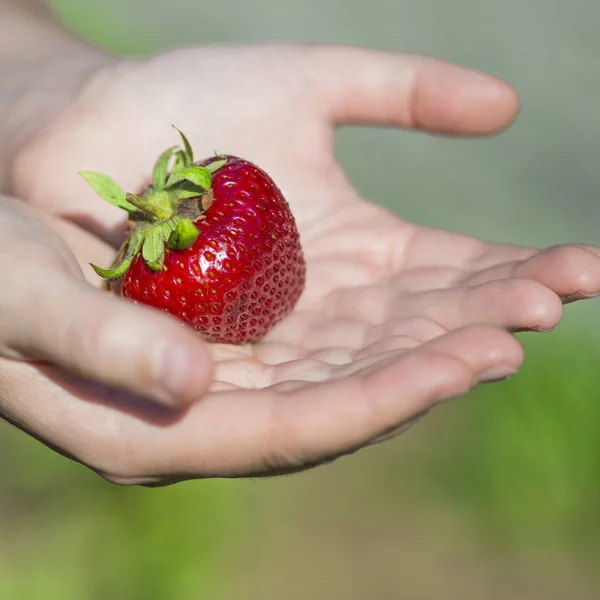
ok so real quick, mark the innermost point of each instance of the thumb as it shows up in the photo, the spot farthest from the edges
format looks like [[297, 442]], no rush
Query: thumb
[[375, 87], [104, 338]]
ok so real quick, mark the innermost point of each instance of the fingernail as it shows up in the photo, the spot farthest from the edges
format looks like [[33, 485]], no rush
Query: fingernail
[[173, 373], [497, 373]]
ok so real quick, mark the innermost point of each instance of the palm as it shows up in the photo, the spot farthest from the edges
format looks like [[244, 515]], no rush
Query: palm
[[377, 287]]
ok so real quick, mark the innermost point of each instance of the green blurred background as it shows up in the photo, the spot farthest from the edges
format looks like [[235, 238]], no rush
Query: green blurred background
[[494, 496]]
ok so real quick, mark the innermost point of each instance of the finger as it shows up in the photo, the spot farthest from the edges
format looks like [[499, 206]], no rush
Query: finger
[[571, 271], [383, 88], [517, 305], [483, 348], [240, 433], [103, 338], [491, 352], [385, 346], [513, 304]]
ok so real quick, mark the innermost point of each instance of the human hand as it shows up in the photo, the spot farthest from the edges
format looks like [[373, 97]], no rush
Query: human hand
[[394, 319], [52, 316]]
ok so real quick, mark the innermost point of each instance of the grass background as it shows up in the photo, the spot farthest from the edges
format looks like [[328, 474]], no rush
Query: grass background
[[494, 496]]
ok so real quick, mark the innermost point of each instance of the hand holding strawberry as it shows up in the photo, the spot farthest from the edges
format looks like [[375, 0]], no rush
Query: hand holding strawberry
[[394, 317]]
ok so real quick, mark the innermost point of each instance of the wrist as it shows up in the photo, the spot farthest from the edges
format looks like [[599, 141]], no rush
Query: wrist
[[42, 68]]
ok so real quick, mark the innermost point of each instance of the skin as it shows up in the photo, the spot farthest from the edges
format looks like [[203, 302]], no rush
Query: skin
[[395, 317]]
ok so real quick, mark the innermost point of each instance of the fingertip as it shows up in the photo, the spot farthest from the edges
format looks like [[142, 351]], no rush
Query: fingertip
[[457, 100], [183, 369], [515, 352], [539, 308], [502, 100], [410, 91]]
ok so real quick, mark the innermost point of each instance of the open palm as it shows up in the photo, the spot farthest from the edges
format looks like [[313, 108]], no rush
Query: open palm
[[394, 317]]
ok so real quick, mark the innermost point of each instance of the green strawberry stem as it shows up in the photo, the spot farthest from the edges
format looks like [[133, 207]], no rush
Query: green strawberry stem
[[165, 214], [151, 211]]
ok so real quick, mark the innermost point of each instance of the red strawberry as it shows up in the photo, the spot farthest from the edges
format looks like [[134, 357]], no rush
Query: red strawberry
[[213, 243]]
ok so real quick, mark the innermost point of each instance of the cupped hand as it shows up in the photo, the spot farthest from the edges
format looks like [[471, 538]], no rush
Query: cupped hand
[[395, 317]]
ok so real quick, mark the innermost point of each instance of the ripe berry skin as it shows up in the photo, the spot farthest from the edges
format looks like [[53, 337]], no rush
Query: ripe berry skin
[[245, 271]]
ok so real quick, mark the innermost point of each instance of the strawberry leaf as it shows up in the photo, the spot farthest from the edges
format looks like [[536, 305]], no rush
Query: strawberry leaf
[[168, 227], [189, 153], [159, 174], [199, 176], [185, 234], [153, 249], [178, 165], [135, 245], [108, 189], [112, 274], [190, 192], [131, 247], [215, 166]]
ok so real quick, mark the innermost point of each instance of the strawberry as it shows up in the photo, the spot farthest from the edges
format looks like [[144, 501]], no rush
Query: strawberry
[[214, 243]]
